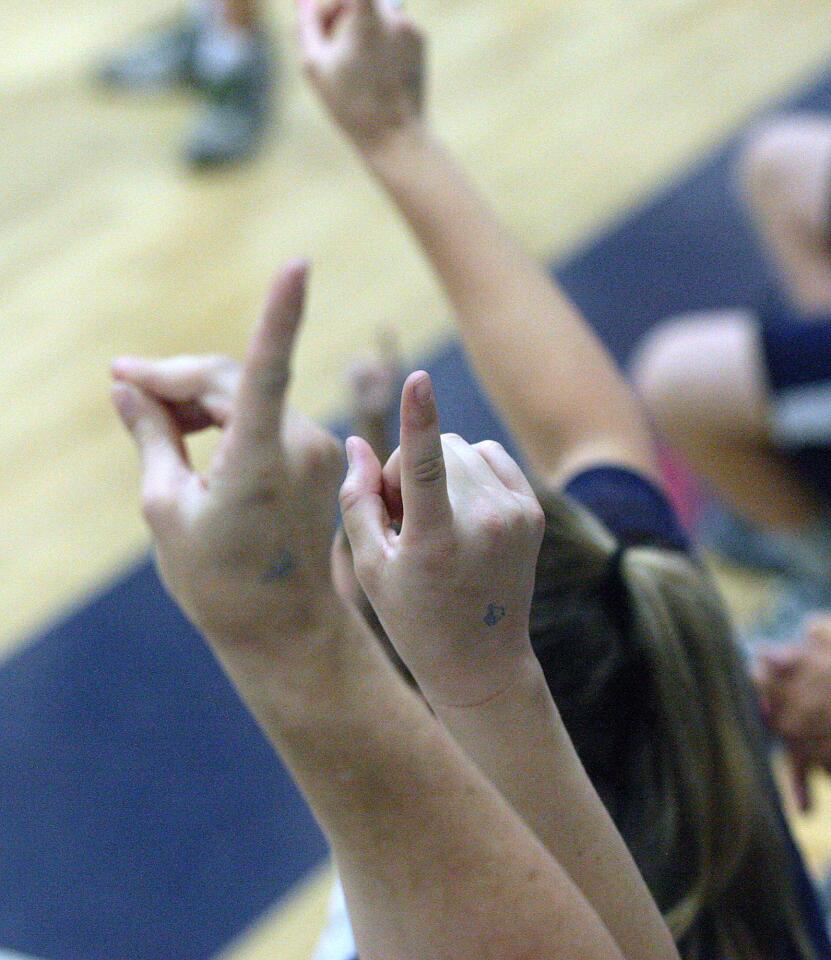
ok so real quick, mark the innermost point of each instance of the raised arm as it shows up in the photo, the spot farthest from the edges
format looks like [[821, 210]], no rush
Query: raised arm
[[549, 376], [453, 591], [434, 861]]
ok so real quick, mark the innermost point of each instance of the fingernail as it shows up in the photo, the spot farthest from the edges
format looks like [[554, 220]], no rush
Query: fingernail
[[423, 390], [350, 446]]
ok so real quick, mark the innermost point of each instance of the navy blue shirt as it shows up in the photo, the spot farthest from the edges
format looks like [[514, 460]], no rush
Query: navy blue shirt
[[630, 506]]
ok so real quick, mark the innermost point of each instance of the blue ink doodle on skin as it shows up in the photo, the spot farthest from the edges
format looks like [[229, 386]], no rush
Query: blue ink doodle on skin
[[494, 615], [282, 568]]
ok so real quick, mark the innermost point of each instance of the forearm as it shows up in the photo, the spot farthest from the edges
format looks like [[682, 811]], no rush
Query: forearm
[[433, 860], [519, 741], [546, 371]]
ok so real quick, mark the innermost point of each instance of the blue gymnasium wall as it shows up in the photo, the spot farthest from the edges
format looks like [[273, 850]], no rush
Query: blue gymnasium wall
[[142, 815]]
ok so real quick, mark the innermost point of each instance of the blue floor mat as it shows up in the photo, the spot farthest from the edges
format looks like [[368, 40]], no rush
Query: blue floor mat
[[142, 815]]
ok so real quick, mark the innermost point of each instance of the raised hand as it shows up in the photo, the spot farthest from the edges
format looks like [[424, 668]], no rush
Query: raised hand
[[199, 392], [244, 548], [365, 59], [794, 683], [453, 588]]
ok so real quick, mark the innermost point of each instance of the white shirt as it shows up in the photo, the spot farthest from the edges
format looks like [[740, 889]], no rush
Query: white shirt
[[337, 941]]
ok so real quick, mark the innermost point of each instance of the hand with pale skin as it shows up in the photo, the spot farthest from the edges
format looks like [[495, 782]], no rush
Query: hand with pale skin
[[453, 588], [794, 683], [244, 548], [199, 392], [365, 58]]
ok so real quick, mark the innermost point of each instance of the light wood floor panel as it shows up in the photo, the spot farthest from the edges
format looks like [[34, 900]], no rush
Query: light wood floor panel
[[292, 928], [567, 112]]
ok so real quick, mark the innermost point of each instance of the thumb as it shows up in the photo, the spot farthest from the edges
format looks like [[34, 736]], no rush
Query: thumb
[[365, 518], [164, 462]]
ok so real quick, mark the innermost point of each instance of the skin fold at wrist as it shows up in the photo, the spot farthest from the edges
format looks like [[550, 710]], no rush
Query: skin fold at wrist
[[475, 689]]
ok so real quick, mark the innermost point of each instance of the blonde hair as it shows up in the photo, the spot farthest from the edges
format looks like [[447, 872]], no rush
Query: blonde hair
[[708, 838]]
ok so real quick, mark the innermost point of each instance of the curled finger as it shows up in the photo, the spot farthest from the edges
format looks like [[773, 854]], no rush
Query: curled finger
[[165, 468], [199, 390], [505, 467]]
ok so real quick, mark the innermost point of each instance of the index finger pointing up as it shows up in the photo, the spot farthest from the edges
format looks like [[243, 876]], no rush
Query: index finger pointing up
[[259, 408], [423, 475]]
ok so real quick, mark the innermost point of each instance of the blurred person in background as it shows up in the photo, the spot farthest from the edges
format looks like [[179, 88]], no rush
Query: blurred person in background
[[745, 394], [220, 49], [794, 682]]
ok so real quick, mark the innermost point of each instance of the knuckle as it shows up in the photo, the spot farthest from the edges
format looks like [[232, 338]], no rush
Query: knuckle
[[349, 495], [407, 28], [494, 446], [274, 380], [223, 367], [515, 516], [430, 470], [435, 556], [411, 36], [258, 494], [493, 523]]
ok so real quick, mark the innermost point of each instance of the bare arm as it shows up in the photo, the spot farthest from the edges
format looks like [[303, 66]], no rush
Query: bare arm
[[519, 741], [545, 370], [434, 861], [453, 592], [549, 376]]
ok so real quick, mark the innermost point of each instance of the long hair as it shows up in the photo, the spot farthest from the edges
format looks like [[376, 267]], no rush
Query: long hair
[[639, 656]]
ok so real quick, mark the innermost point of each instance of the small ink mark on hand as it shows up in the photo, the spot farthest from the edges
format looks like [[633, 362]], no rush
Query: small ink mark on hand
[[494, 615], [282, 568]]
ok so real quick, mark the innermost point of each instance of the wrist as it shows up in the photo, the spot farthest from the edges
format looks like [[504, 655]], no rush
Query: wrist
[[524, 691], [290, 673], [394, 146], [477, 683], [280, 641]]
